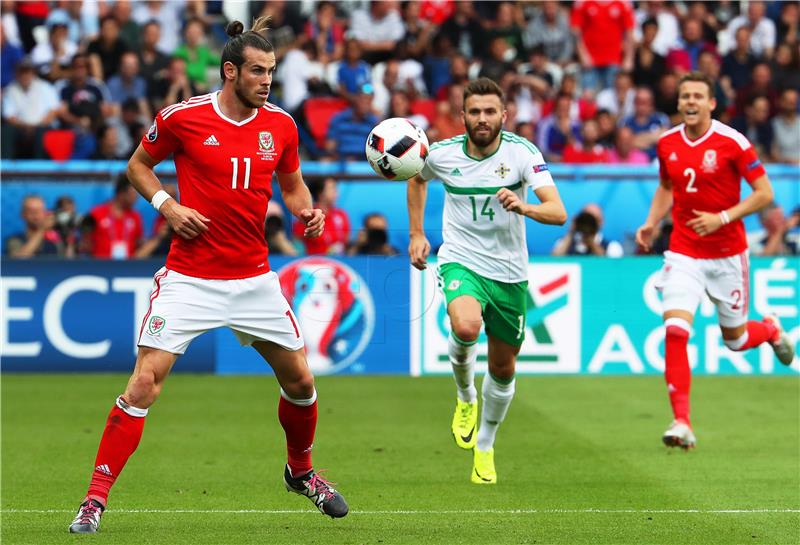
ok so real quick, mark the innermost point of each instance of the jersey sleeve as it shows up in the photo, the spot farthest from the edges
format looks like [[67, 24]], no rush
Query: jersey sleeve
[[428, 172], [749, 166], [160, 140], [535, 171], [662, 163], [290, 160]]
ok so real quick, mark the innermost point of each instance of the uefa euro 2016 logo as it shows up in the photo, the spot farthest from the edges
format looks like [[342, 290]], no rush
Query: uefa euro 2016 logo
[[334, 308]]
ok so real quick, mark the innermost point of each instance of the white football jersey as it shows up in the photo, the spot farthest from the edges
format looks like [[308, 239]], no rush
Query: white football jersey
[[478, 232]]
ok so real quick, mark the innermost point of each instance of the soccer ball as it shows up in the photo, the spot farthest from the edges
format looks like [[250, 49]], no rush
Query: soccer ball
[[396, 149]]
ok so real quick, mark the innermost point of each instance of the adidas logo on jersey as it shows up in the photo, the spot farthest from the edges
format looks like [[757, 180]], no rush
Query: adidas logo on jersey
[[673, 156], [211, 141], [455, 172]]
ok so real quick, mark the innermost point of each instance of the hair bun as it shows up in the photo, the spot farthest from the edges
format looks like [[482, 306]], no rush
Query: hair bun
[[234, 28]]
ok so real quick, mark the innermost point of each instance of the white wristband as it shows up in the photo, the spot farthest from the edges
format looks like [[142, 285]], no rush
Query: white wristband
[[159, 198], [723, 216]]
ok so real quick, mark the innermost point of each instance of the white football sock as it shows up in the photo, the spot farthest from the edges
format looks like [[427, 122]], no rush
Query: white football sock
[[462, 359], [496, 400]]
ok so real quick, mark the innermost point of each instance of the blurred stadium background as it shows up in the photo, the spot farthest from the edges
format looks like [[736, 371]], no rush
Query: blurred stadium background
[[580, 454]]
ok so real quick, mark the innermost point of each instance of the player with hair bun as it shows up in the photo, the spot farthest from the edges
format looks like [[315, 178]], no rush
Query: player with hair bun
[[226, 147]]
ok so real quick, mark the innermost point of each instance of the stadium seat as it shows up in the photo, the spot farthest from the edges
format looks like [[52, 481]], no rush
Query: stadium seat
[[58, 144], [426, 107], [318, 113]]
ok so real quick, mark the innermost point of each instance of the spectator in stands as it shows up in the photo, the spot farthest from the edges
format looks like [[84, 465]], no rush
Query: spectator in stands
[[527, 131], [10, 56], [386, 81], [667, 21], [498, 61], [67, 223], [39, 239], [30, 106], [648, 64], [131, 126], [587, 150], [708, 64], [738, 64], [198, 56], [549, 27], [437, 65], [152, 61], [378, 29], [285, 26], [348, 130], [29, 15], [173, 87], [336, 235], [161, 237], [448, 122], [789, 23], [168, 14], [775, 236], [666, 97], [699, 11], [786, 130], [82, 25], [618, 99], [353, 73], [585, 236], [105, 53], [755, 125], [557, 129], [624, 151], [107, 144], [373, 237], [646, 123], [418, 31], [463, 30], [539, 67], [84, 101], [762, 39], [53, 56], [114, 229], [684, 58], [128, 84], [400, 106], [275, 231], [508, 24], [301, 75], [604, 39], [606, 128], [761, 85], [326, 32], [786, 67], [129, 30]]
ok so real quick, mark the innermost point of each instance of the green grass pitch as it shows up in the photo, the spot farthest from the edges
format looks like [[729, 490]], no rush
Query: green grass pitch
[[579, 460]]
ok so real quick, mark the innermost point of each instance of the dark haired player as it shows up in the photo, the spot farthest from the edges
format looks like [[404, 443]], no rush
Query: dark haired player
[[226, 146]]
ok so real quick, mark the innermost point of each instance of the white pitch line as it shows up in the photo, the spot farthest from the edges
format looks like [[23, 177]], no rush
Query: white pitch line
[[424, 512]]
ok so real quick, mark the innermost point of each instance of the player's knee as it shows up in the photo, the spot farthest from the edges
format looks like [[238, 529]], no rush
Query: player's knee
[[466, 331], [302, 388], [142, 390]]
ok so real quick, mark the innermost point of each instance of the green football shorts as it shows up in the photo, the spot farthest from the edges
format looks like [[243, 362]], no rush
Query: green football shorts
[[503, 305]]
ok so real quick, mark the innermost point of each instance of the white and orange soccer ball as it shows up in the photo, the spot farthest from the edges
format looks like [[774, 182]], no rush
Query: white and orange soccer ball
[[396, 149]]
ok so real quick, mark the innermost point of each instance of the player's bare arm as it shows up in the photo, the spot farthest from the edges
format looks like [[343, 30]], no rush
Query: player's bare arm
[[705, 223], [186, 222], [662, 202], [418, 245], [550, 210], [298, 199]]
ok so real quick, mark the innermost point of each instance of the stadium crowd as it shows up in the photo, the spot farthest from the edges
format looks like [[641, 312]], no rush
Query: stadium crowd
[[586, 81]]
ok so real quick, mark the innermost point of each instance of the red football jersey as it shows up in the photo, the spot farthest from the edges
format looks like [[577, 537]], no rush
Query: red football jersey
[[706, 175], [603, 25], [224, 172], [115, 237]]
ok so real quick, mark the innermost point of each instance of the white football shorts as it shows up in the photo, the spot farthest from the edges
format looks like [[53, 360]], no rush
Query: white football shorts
[[184, 307], [726, 281]]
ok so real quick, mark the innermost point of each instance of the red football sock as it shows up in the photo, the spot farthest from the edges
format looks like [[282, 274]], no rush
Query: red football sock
[[120, 439], [677, 372], [299, 423], [757, 333]]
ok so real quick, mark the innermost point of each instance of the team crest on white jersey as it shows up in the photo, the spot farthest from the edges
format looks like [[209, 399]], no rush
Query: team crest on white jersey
[[266, 145], [502, 170], [710, 161], [152, 133]]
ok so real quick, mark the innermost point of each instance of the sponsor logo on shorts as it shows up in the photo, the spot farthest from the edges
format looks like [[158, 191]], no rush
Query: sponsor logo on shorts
[[155, 325]]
